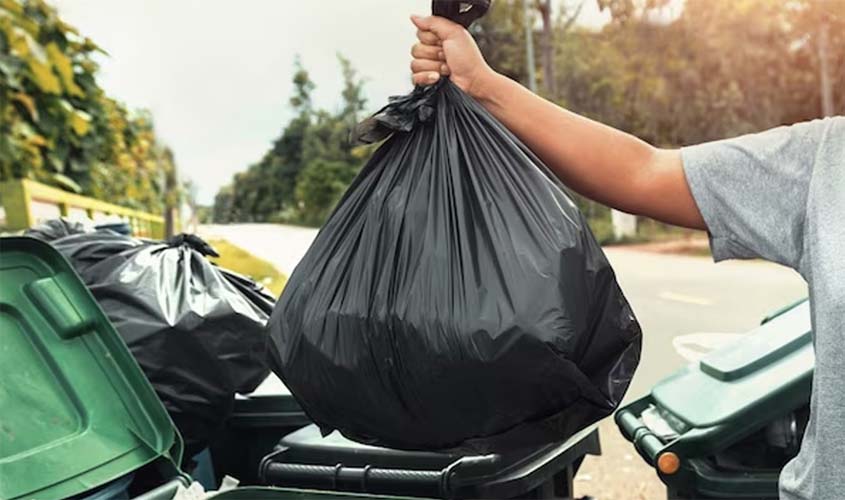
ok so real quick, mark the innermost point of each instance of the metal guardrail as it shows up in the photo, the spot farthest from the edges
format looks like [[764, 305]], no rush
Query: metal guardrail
[[17, 196]]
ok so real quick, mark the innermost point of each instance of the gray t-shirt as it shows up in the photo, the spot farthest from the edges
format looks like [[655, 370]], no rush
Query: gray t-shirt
[[780, 195]]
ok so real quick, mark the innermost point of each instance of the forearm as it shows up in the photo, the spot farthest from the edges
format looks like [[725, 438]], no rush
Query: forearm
[[599, 162]]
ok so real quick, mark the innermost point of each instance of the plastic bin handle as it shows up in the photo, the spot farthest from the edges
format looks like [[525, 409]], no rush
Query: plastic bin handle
[[463, 12], [646, 442], [365, 479]]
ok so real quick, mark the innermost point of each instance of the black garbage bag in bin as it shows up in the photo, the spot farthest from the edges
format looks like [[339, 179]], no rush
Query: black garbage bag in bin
[[53, 229], [196, 330], [90, 250], [456, 296]]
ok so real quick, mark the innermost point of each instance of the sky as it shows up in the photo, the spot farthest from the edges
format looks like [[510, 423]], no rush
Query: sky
[[216, 74]]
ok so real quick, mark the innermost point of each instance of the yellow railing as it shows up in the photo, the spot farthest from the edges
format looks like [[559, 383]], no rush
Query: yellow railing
[[17, 196]]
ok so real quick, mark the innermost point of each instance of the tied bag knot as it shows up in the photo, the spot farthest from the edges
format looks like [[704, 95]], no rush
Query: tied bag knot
[[402, 114], [405, 112]]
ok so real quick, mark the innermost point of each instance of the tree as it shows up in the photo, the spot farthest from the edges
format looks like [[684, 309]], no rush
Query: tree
[[172, 191], [57, 126], [352, 94], [501, 37], [266, 188], [714, 69], [719, 68], [284, 160], [223, 209], [301, 177], [319, 187], [823, 22], [302, 87], [623, 11]]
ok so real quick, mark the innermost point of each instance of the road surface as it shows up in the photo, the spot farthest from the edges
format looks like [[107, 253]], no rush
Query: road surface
[[685, 305]]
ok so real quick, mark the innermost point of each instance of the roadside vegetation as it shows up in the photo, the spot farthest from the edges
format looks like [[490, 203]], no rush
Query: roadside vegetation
[[239, 260], [673, 73], [58, 126]]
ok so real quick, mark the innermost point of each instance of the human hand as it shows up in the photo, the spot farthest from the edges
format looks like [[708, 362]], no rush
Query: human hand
[[445, 48]]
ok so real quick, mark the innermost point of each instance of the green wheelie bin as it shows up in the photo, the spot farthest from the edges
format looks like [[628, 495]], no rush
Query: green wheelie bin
[[78, 419], [724, 427]]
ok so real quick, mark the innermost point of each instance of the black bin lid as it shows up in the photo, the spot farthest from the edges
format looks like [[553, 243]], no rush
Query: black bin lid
[[306, 459], [270, 405]]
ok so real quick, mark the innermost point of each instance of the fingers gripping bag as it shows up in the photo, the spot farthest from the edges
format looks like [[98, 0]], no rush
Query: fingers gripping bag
[[456, 297]]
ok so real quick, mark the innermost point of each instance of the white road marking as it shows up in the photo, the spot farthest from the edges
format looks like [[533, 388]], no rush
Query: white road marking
[[686, 299], [695, 346]]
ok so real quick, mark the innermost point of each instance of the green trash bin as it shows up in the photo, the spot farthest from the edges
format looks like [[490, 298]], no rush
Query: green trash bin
[[724, 427], [79, 419], [77, 412]]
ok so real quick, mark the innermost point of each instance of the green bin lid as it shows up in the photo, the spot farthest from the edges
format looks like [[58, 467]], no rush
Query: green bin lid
[[75, 409], [770, 364]]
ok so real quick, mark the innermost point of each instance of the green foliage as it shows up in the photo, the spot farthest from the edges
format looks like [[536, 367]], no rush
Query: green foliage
[[723, 68], [302, 86], [239, 260], [223, 210], [302, 176], [204, 214], [58, 127], [318, 188], [602, 229], [500, 35], [720, 69], [629, 10]]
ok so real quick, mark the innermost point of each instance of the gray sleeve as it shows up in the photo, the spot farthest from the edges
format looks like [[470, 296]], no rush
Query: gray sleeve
[[753, 191]]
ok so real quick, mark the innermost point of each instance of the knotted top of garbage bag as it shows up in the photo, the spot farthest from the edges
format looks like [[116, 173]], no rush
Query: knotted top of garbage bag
[[463, 12], [194, 242], [403, 113]]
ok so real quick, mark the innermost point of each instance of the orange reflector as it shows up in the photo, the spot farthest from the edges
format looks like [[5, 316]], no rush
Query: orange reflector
[[668, 463]]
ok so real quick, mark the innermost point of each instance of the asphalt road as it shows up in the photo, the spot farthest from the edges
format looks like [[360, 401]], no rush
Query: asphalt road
[[686, 305], [679, 298]]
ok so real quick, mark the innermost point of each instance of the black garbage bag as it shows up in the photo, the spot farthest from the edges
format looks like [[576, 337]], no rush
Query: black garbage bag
[[87, 250], [54, 229], [196, 330], [456, 296]]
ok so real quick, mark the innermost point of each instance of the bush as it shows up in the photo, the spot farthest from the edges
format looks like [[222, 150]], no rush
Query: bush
[[602, 228], [57, 126]]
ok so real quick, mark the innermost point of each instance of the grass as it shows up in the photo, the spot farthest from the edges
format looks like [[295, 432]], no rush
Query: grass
[[239, 260]]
